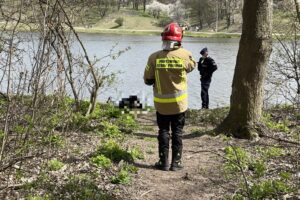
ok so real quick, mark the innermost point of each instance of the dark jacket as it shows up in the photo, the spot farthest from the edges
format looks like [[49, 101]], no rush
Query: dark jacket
[[207, 66]]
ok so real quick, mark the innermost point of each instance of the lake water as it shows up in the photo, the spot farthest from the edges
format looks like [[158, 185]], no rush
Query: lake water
[[132, 63]]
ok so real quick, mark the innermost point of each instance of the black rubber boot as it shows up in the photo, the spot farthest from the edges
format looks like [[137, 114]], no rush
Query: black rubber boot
[[176, 161], [163, 163]]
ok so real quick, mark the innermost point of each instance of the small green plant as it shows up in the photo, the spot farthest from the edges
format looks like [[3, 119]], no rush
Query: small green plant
[[280, 126], [136, 153], [101, 161], [150, 151], [112, 150], [127, 123], [110, 130], [235, 157], [131, 168], [271, 152], [79, 121], [55, 140], [111, 111], [54, 165], [1, 134], [269, 189], [122, 177], [259, 167], [46, 197]]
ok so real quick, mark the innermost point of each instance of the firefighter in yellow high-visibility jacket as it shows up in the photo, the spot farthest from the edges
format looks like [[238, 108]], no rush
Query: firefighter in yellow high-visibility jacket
[[167, 71]]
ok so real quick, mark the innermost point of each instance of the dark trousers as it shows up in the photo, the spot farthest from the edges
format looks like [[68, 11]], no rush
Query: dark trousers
[[205, 83], [176, 123]]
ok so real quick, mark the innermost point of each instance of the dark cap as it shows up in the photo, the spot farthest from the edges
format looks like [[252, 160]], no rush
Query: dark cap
[[202, 52]]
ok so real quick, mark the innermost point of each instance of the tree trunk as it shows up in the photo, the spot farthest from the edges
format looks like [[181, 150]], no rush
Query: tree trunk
[[144, 5], [247, 88]]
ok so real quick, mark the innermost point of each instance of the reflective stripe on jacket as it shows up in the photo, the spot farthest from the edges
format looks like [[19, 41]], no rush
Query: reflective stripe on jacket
[[167, 70]]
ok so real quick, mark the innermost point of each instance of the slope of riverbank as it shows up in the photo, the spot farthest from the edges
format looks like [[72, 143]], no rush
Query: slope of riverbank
[[110, 156]]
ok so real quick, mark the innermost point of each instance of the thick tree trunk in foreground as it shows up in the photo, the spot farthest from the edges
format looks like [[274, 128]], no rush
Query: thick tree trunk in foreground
[[253, 55]]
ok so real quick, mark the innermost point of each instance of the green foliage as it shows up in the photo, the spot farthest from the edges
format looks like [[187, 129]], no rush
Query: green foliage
[[110, 130], [79, 121], [260, 185], [269, 189], [19, 129], [101, 161], [259, 167], [112, 150], [54, 165], [122, 177], [127, 123], [271, 152], [110, 111], [131, 168], [235, 157], [46, 197], [1, 134], [280, 126], [136, 153], [54, 140], [119, 21], [285, 175]]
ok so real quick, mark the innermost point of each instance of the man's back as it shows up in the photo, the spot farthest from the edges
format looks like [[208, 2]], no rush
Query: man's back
[[169, 69]]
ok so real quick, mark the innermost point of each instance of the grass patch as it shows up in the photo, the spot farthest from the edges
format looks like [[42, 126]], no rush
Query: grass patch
[[101, 161], [54, 165]]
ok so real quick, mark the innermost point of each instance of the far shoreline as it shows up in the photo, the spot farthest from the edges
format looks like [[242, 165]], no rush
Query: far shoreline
[[156, 32]]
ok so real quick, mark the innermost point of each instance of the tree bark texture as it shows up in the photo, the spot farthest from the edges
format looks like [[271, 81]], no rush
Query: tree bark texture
[[255, 47]]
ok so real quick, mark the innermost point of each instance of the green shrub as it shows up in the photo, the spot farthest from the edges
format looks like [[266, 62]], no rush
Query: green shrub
[[271, 152], [267, 119], [127, 123], [112, 150], [46, 197], [136, 153], [259, 167], [269, 189], [54, 165], [110, 130], [119, 21], [101, 161], [111, 111], [131, 168], [54, 140], [122, 177], [235, 157]]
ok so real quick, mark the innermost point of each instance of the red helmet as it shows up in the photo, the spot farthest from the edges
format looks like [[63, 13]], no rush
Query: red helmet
[[172, 32]]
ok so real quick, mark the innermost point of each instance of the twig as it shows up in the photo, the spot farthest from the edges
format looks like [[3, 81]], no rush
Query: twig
[[15, 187], [146, 193], [14, 161], [242, 172], [265, 133], [282, 140]]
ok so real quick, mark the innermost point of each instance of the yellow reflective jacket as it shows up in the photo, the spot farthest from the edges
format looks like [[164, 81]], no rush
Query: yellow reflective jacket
[[167, 72]]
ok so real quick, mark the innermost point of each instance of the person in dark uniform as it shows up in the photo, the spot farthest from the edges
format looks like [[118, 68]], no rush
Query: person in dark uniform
[[206, 67]]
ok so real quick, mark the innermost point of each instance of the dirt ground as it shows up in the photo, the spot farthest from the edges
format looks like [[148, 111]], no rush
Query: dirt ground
[[201, 177]]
